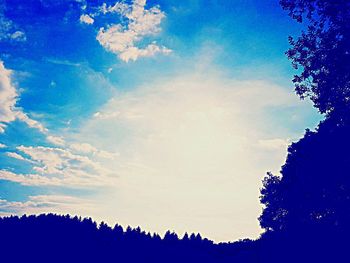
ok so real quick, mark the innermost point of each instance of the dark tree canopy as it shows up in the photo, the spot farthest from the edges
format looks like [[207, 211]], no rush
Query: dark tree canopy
[[314, 190], [322, 53], [309, 204], [54, 238]]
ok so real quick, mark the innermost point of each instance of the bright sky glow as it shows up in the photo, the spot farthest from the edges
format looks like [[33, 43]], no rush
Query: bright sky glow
[[159, 114]]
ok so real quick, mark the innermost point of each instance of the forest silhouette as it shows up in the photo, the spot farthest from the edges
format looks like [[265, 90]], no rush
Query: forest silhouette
[[306, 215]]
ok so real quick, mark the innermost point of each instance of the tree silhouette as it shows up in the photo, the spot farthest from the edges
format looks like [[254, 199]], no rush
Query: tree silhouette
[[322, 53], [307, 209], [54, 238], [314, 190]]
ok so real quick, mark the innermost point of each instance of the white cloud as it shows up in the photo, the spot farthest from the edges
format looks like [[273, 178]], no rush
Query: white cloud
[[122, 39], [30, 179], [59, 167], [2, 145], [9, 112], [8, 98], [51, 166], [18, 36], [39, 204], [86, 19], [30, 122], [133, 53], [8, 29], [16, 156], [118, 7], [86, 148], [83, 147], [63, 62], [56, 140]]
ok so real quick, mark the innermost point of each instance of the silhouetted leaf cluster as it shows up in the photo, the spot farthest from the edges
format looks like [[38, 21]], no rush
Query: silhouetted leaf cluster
[[310, 202], [307, 209], [322, 53]]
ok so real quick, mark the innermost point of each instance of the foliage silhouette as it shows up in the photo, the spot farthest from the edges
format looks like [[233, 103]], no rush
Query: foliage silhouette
[[322, 53], [314, 190], [54, 238], [307, 210], [310, 203]]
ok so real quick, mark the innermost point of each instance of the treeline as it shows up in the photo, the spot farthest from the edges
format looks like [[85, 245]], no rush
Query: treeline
[[57, 238]]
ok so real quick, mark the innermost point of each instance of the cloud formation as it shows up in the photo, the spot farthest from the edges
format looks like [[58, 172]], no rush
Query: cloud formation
[[58, 167], [16, 156], [124, 39], [61, 204], [8, 98], [86, 19], [86, 148], [70, 167], [9, 112], [8, 29], [57, 140]]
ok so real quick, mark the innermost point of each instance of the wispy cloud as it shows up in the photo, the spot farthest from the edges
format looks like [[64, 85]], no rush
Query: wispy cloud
[[86, 148], [9, 112], [8, 29], [18, 36], [57, 140], [32, 179], [62, 62], [71, 167], [59, 167], [20, 115], [8, 99], [16, 156], [61, 204], [124, 39]]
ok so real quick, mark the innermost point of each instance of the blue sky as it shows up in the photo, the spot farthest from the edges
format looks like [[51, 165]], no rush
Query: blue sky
[[164, 114]]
